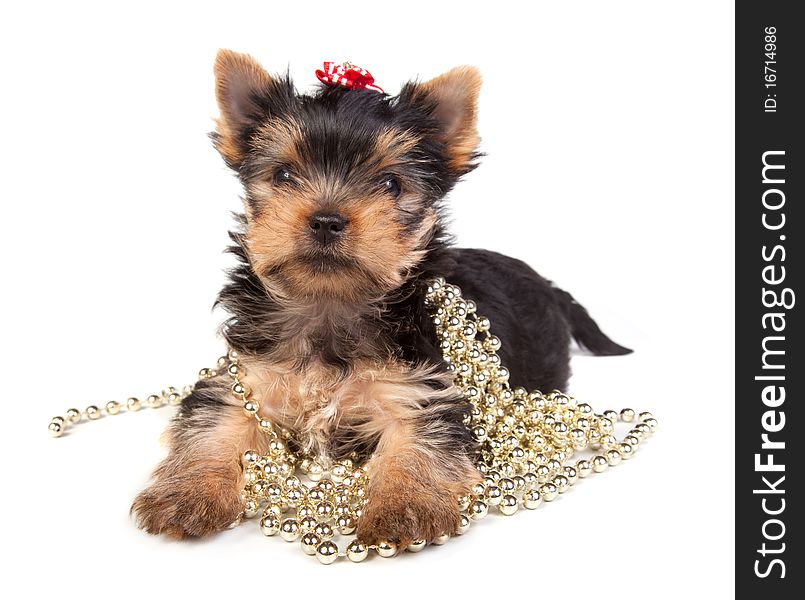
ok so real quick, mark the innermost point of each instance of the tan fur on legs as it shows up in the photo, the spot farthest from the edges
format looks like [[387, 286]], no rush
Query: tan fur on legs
[[413, 490], [196, 489], [409, 500]]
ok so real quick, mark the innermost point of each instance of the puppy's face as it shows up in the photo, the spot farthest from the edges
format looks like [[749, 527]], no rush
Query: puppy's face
[[342, 186]]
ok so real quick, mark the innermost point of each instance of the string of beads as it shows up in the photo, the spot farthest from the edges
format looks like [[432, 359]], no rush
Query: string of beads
[[528, 441]]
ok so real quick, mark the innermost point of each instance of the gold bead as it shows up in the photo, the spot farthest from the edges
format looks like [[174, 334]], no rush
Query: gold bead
[[463, 502], [605, 425], [463, 524], [386, 549], [642, 429], [153, 401], [561, 482], [607, 441], [652, 423], [611, 415], [440, 540], [270, 525], [289, 530], [73, 415], [133, 404], [273, 491], [315, 471], [337, 473], [493, 495], [250, 407], [542, 473], [613, 457], [626, 450], [93, 412], [478, 510], [205, 373], [240, 390], [507, 485], [416, 546], [356, 551], [627, 415], [345, 524], [308, 523], [56, 428], [600, 463], [276, 446], [548, 491], [233, 355], [305, 510], [327, 552], [632, 440], [531, 499], [113, 407], [643, 416], [309, 543], [571, 474], [492, 343], [324, 531], [583, 468], [250, 508], [233, 370], [174, 398], [479, 433], [324, 510], [508, 505], [293, 496]]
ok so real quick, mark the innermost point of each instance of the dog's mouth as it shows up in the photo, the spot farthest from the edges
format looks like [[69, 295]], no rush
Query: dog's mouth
[[326, 262]]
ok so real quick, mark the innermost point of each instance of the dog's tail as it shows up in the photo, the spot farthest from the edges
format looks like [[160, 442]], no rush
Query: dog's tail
[[584, 329]]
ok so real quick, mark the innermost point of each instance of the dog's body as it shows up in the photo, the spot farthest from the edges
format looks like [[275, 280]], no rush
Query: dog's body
[[341, 235]]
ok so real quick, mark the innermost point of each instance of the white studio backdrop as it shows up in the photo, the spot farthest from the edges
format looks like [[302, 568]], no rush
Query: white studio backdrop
[[608, 129]]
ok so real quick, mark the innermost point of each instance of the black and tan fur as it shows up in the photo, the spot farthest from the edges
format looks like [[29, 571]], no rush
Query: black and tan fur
[[334, 337]]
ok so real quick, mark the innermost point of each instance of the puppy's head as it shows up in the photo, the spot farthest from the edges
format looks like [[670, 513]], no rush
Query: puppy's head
[[342, 187]]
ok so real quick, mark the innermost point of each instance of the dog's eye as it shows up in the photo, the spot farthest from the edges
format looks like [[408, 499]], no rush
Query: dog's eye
[[282, 176], [392, 186]]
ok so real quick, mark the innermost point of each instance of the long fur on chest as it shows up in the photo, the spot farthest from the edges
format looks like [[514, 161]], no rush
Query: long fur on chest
[[336, 415]]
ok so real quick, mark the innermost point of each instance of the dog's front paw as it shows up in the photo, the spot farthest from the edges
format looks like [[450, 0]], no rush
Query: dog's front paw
[[180, 511], [402, 516]]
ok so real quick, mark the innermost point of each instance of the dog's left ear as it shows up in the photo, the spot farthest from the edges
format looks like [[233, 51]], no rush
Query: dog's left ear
[[453, 97]]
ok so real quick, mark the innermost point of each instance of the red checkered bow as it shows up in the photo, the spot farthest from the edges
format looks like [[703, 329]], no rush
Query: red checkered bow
[[347, 75]]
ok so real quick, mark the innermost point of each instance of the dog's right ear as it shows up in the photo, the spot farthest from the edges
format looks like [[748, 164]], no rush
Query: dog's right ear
[[247, 95]]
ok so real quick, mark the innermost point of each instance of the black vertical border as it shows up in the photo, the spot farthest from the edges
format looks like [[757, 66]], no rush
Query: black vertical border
[[758, 131]]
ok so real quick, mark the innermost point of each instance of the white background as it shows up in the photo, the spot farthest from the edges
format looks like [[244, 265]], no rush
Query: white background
[[609, 133]]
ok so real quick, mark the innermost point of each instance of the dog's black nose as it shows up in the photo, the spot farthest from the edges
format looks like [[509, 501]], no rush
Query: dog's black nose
[[327, 228]]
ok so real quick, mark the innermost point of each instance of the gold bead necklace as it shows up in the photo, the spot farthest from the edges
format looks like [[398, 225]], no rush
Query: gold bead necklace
[[527, 443]]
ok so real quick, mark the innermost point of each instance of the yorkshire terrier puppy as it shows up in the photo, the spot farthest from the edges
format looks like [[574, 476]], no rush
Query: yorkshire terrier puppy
[[342, 229]]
